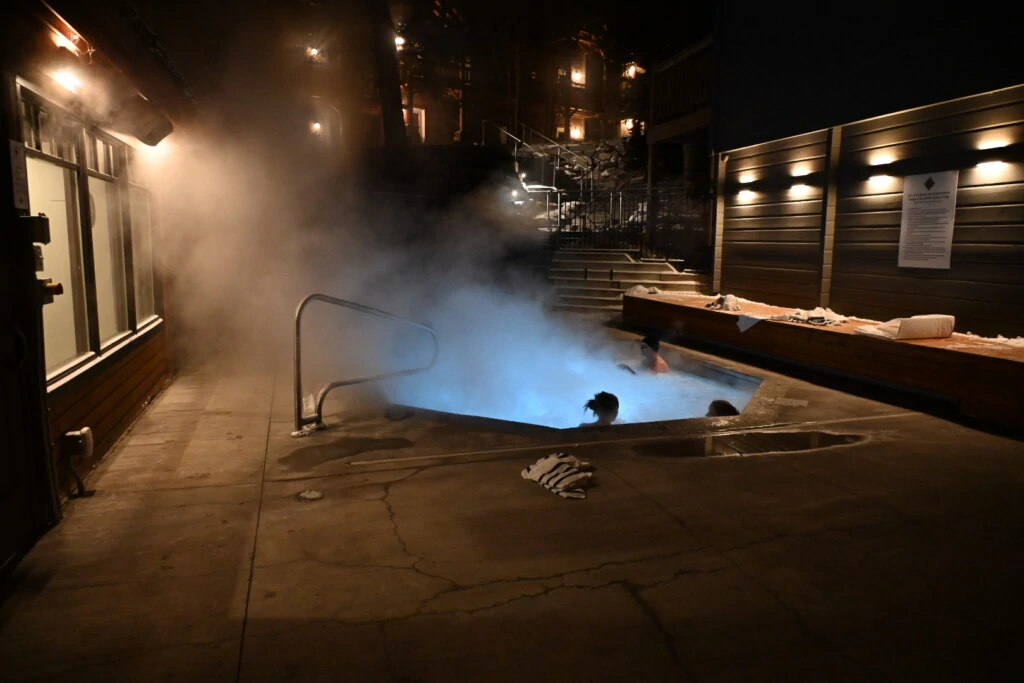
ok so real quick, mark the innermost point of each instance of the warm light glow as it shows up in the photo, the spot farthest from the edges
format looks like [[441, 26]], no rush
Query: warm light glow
[[61, 40], [522, 176], [578, 77], [746, 195], [68, 79], [515, 193], [315, 126], [747, 178], [399, 42], [880, 179], [576, 133], [312, 52], [993, 144], [990, 166], [800, 189], [631, 71], [801, 171], [881, 158]]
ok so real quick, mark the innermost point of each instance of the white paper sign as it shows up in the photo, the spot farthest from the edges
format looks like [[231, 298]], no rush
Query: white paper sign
[[929, 211]]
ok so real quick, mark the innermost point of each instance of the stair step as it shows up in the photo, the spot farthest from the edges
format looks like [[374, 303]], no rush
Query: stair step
[[577, 308], [613, 257], [603, 269], [590, 300], [618, 275]]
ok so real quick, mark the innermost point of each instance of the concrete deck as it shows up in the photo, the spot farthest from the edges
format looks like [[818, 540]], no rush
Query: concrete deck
[[898, 558]]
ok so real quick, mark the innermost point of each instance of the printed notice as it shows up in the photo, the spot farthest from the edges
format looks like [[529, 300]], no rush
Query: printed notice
[[929, 211], [19, 175]]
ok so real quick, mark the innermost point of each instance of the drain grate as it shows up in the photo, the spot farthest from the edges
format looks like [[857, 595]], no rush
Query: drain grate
[[747, 443]]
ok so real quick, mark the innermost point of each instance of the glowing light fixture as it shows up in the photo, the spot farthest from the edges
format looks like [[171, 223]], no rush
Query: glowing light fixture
[[312, 51], [747, 178], [399, 42], [746, 195], [576, 133], [881, 159], [68, 79], [799, 171], [993, 144], [991, 166], [61, 40], [315, 126], [578, 77], [522, 176], [515, 193], [878, 180], [800, 190]]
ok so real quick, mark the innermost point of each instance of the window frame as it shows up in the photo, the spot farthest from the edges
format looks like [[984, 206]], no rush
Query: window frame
[[86, 133]]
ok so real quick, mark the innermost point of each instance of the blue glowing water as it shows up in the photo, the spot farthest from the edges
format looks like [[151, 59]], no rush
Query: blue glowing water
[[517, 364]]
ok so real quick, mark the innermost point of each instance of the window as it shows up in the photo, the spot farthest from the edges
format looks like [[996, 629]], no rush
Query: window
[[76, 176], [108, 257], [142, 253], [52, 190]]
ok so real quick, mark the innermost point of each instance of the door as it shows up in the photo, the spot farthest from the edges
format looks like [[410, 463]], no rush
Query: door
[[28, 505]]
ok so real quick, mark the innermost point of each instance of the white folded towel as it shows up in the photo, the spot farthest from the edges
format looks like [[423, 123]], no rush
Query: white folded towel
[[560, 473], [935, 326]]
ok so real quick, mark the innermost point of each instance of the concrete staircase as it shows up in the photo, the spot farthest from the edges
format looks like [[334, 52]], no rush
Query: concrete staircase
[[593, 280]]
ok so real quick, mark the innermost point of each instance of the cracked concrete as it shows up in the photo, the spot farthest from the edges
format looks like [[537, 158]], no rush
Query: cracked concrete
[[897, 558]]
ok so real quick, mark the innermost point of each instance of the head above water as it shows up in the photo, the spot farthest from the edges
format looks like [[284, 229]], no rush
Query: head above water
[[720, 408], [605, 406]]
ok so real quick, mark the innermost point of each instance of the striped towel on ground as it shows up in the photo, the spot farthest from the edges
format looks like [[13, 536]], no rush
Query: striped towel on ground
[[560, 473]]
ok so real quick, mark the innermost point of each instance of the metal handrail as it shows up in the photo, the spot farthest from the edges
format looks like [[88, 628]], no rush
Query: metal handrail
[[317, 419]]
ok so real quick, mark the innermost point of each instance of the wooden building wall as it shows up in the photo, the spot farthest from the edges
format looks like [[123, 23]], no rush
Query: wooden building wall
[[984, 287], [108, 397], [773, 243], [771, 246]]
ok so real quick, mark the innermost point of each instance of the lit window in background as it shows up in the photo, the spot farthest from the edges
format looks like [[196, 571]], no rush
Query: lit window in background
[[576, 133], [578, 77], [68, 79]]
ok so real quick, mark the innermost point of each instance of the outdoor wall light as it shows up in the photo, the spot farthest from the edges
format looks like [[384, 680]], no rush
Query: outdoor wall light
[[68, 79], [881, 159], [312, 51], [880, 180], [746, 195], [315, 127], [61, 40], [799, 171], [991, 166], [800, 190], [747, 178], [993, 143], [399, 42]]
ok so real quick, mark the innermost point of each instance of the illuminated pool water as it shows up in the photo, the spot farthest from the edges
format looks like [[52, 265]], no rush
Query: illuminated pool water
[[555, 398]]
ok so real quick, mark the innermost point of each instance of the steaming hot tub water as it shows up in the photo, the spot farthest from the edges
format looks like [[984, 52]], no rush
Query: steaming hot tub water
[[554, 397]]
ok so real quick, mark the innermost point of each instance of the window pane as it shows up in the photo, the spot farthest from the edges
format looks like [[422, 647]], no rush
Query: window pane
[[142, 253], [108, 258], [52, 190]]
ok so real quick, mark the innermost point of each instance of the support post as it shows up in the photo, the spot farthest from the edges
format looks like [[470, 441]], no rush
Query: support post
[[828, 213]]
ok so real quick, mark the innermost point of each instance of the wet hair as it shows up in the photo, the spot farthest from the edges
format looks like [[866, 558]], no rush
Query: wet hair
[[603, 402], [720, 408], [651, 341]]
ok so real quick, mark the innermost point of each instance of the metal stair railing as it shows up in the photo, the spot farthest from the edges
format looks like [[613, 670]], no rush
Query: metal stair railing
[[303, 422]]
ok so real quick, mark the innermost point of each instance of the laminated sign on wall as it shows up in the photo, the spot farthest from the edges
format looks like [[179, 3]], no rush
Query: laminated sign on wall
[[926, 228]]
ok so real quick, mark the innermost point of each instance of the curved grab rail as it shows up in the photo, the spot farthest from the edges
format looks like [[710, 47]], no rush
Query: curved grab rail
[[317, 419]]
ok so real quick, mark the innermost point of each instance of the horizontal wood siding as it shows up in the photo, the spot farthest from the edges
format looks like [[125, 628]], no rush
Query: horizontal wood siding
[[771, 247], [109, 399], [984, 287]]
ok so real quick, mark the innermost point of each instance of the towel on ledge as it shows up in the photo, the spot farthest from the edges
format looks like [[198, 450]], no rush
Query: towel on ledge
[[560, 473], [934, 326]]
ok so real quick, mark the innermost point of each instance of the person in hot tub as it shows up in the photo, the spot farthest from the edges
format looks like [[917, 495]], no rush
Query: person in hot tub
[[651, 360], [605, 408]]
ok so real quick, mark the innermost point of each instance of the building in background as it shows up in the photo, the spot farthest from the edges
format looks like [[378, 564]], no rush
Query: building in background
[[88, 94]]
